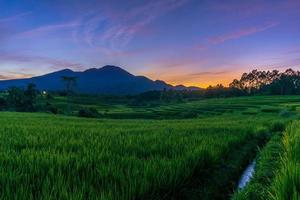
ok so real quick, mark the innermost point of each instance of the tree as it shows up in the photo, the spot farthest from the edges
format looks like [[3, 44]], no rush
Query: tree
[[23, 100], [16, 98], [269, 82], [30, 95], [70, 83], [2, 103]]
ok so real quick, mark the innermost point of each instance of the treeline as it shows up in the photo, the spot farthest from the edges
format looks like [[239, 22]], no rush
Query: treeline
[[268, 82], [253, 83], [19, 99], [259, 83]]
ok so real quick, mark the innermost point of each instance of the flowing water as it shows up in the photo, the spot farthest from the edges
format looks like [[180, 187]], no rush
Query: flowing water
[[247, 175]]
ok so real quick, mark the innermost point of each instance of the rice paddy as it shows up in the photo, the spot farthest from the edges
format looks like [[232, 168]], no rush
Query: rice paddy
[[277, 176], [46, 156]]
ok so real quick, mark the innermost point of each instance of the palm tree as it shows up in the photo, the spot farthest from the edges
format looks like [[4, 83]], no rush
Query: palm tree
[[70, 83]]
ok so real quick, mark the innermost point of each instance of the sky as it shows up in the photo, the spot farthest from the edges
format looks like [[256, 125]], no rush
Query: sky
[[190, 42]]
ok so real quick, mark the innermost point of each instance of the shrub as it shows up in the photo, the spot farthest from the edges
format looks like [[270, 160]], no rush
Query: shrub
[[292, 108], [88, 112], [285, 113], [23, 100], [51, 108], [49, 96], [188, 115], [277, 126], [2, 103]]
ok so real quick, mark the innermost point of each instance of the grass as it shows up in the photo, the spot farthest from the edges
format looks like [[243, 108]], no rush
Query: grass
[[268, 163], [286, 185], [277, 176], [194, 150], [46, 156], [122, 109]]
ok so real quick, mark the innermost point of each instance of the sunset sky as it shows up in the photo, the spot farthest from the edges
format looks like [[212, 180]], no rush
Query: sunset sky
[[191, 42]]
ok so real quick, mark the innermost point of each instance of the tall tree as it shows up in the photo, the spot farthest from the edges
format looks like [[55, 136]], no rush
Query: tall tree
[[30, 97], [16, 98], [70, 83]]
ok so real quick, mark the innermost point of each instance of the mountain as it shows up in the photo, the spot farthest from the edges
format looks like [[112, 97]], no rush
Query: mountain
[[106, 80]]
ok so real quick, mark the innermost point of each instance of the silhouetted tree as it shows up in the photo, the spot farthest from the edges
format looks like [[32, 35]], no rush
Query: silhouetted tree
[[268, 82], [70, 83], [2, 103], [30, 97], [16, 98], [22, 100]]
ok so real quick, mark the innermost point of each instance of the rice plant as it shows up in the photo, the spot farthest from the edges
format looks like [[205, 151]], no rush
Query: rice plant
[[54, 157], [286, 186]]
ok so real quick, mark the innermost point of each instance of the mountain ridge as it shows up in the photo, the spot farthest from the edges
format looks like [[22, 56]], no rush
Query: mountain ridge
[[105, 80]]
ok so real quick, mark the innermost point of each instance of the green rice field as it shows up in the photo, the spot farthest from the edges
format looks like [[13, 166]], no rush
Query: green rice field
[[163, 155]]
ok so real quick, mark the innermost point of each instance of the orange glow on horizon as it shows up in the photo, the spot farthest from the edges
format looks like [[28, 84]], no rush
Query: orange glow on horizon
[[202, 81], [201, 85]]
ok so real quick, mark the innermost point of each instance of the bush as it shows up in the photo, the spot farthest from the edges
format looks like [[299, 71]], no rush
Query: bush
[[285, 113], [292, 108], [49, 96], [188, 115], [2, 103], [23, 100], [51, 108], [88, 112], [277, 126]]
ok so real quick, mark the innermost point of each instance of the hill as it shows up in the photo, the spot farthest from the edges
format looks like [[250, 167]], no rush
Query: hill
[[105, 80]]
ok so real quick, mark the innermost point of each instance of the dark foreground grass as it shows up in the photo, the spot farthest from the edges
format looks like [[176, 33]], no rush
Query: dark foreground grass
[[267, 165], [223, 179], [54, 157]]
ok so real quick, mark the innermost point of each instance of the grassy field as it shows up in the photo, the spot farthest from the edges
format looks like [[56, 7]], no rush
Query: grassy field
[[122, 109], [45, 156]]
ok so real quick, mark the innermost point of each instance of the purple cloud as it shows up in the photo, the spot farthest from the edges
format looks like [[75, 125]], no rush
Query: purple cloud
[[43, 30], [15, 17], [115, 29], [253, 8], [209, 73], [7, 25], [241, 33], [34, 60]]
